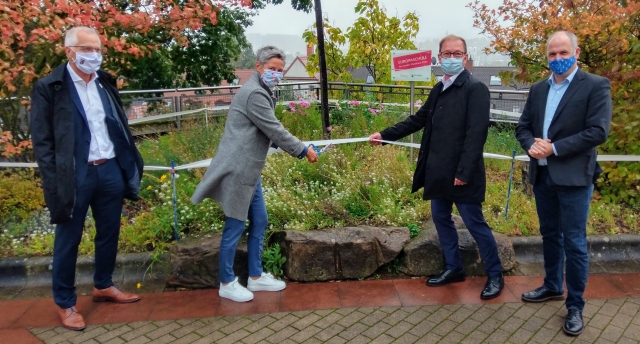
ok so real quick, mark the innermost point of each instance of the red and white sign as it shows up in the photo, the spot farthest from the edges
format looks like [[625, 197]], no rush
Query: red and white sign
[[415, 60], [411, 65]]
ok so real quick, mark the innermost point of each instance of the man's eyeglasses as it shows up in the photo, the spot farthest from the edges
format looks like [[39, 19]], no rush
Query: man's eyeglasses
[[457, 54], [85, 49]]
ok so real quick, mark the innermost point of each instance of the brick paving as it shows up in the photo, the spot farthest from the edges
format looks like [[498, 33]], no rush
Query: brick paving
[[386, 311], [608, 321]]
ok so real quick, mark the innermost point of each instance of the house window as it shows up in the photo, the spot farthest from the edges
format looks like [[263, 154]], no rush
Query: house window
[[495, 81]]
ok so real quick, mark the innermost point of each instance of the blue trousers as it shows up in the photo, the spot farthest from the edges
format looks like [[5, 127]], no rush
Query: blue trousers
[[232, 231], [471, 214], [563, 212], [103, 191]]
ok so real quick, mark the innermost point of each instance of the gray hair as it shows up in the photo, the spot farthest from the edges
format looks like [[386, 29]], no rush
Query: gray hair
[[268, 52], [571, 35], [71, 37]]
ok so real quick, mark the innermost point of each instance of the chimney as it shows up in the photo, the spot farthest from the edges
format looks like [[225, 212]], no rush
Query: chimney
[[469, 65], [310, 49]]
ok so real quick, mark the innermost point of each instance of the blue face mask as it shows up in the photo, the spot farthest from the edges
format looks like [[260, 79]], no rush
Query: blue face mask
[[561, 66], [451, 66], [271, 78]]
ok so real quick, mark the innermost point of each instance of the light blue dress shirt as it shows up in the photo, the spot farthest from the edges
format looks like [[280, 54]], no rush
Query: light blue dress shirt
[[556, 92]]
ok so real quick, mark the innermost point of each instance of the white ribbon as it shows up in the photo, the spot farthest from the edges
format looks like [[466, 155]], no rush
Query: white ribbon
[[320, 143]]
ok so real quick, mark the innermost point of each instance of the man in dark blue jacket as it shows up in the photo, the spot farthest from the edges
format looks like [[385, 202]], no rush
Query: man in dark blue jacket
[[87, 158], [455, 123]]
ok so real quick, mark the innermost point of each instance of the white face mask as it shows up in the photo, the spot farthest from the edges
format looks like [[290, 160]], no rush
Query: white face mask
[[88, 63]]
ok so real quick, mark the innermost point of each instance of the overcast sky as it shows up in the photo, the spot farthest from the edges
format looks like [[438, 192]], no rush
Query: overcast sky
[[437, 17]]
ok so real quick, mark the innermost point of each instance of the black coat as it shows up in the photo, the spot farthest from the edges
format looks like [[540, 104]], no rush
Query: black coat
[[455, 123], [54, 122]]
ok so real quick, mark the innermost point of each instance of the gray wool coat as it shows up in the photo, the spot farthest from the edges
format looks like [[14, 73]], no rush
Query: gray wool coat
[[250, 129]]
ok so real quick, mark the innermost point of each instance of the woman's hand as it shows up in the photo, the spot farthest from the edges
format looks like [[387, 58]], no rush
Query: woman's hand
[[312, 156]]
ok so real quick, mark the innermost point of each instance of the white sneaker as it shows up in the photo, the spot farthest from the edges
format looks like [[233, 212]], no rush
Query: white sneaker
[[235, 291], [266, 282]]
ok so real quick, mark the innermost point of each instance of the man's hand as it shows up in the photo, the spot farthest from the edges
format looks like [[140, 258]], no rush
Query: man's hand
[[374, 137], [541, 149], [312, 156], [458, 182]]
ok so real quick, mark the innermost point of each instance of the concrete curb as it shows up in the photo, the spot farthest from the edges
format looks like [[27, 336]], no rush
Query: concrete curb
[[22, 278]]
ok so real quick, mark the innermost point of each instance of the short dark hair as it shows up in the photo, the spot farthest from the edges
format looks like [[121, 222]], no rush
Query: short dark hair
[[453, 38]]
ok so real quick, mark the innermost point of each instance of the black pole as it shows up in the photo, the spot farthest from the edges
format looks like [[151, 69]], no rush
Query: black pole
[[324, 97]]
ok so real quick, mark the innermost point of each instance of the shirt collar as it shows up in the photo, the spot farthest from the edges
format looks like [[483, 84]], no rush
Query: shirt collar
[[75, 77], [567, 80]]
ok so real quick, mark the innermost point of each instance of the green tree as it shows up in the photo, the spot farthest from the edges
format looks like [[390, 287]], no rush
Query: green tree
[[247, 59], [371, 39]]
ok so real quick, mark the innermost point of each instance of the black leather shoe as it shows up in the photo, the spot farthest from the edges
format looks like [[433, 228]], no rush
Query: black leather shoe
[[574, 325], [493, 288], [446, 277], [542, 294]]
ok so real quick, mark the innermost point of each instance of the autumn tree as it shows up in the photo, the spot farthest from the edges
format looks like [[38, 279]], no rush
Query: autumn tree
[[609, 37], [33, 31], [371, 39]]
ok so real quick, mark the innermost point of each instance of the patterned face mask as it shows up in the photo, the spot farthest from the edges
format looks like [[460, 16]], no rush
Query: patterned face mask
[[561, 66], [271, 78]]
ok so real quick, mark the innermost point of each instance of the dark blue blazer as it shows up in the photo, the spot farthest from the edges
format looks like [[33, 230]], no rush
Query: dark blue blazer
[[581, 123]]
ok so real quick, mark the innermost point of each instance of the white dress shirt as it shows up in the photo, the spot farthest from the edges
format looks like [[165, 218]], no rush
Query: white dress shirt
[[101, 146], [449, 82]]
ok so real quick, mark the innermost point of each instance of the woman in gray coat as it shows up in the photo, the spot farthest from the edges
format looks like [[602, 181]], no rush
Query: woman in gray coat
[[233, 178]]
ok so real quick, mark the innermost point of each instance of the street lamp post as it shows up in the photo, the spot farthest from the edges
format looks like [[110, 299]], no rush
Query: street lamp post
[[324, 85]]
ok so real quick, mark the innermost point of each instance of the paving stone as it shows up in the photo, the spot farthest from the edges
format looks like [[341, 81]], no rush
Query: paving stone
[[489, 325], [167, 338], [188, 328], [482, 314], [544, 335], [389, 309], [467, 326], [305, 333], [525, 312], [521, 336], [129, 336], [235, 326], [281, 334], [336, 340], [397, 316], [453, 338], [621, 320], [258, 336], [164, 329], [351, 319], [367, 310], [311, 340], [329, 332], [353, 331], [184, 322], [422, 328], [430, 338], [376, 330], [419, 315], [283, 322], [139, 340], [301, 314], [512, 324], [258, 324], [345, 311], [633, 331], [383, 339], [305, 321], [503, 313], [609, 309], [374, 318], [475, 337], [498, 336], [211, 325], [461, 314], [439, 316], [533, 324], [329, 320], [323, 312], [629, 308], [444, 328], [359, 339], [116, 340], [233, 337], [625, 340], [599, 321], [88, 333], [399, 329]]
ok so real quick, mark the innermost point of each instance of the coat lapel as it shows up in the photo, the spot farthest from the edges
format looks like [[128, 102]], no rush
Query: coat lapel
[[571, 90], [76, 98]]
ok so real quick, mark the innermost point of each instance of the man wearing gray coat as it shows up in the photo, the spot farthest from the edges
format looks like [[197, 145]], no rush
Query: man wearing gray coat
[[233, 178]]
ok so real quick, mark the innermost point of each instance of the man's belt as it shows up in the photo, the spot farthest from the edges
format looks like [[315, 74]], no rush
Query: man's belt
[[97, 162]]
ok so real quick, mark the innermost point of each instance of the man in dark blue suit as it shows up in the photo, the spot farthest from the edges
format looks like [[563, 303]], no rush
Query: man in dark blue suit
[[565, 118], [87, 158]]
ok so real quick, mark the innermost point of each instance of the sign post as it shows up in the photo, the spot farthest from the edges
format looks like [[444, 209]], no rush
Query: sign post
[[412, 66]]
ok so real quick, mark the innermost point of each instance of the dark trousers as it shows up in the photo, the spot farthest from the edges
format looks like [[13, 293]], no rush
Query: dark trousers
[[481, 232], [563, 212], [103, 191]]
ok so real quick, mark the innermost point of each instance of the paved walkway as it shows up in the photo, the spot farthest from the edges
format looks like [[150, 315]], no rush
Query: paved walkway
[[398, 311]]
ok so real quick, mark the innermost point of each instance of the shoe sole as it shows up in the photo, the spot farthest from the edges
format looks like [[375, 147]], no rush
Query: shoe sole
[[104, 299], [443, 284], [491, 297], [572, 333], [74, 328], [555, 298], [268, 289], [235, 300]]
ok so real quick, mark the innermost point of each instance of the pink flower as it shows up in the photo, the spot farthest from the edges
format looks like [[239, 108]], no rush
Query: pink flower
[[367, 182], [373, 111], [292, 104], [329, 128], [354, 102], [315, 95]]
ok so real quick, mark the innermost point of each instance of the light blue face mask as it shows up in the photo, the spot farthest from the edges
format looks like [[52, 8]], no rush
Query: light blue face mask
[[271, 78], [451, 66]]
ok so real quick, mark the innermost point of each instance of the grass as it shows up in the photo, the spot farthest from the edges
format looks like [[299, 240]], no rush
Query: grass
[[352, 184]]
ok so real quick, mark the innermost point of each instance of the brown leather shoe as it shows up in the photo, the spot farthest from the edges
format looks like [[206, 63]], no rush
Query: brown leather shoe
[[112, 294], [71, 319]]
